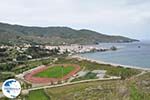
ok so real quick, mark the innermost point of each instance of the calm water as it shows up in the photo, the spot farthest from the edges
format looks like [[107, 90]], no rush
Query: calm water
[[128, 54]]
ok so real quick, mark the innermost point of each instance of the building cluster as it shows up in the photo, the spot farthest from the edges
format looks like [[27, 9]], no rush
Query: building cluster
[[19, 48], [71, 49]]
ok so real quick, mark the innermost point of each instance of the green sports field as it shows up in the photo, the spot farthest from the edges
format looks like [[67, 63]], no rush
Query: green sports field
[[37, 95], [55, 72]]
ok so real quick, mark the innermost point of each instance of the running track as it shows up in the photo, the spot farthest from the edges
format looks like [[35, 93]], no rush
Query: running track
[[40, 80]]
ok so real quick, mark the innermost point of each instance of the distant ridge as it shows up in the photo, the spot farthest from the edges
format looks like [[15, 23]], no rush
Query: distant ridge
[[18, 34]]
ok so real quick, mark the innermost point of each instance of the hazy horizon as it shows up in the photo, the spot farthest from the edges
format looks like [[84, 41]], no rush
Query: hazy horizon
[[119, 17]]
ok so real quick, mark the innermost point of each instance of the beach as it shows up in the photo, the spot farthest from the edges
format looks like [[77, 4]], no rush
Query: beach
[[103, 62]]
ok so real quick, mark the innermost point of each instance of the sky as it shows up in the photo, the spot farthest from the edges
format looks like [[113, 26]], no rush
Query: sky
[[129, 18]]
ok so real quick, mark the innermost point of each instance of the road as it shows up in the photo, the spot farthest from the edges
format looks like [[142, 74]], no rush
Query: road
[[72, 83], [1, 95]]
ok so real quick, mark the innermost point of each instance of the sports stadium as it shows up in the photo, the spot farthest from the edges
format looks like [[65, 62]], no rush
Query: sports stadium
[[52, 74]]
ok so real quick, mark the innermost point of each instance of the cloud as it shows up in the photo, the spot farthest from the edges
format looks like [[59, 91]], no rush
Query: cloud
[[123, 17], [136, 2]]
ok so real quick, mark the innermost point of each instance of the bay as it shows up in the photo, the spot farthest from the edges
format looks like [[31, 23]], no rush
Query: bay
[[131, 54]]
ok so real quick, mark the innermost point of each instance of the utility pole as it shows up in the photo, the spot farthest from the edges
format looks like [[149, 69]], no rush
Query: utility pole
[[62, 73]]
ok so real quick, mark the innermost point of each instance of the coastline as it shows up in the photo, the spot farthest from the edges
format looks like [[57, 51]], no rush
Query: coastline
[[112, 64]]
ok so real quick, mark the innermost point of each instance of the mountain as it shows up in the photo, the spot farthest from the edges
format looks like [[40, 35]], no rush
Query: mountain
[[17, 34]]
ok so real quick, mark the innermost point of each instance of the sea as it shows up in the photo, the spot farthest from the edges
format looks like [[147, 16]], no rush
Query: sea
[[136, 54]]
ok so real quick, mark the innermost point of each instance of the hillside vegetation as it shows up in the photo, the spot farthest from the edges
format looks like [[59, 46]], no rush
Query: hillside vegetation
[[10, 34], [135, 89]]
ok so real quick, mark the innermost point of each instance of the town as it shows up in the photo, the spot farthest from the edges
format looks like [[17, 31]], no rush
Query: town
[[27, 51]]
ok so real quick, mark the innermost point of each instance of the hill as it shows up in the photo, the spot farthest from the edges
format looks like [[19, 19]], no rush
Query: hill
[[17, 34]]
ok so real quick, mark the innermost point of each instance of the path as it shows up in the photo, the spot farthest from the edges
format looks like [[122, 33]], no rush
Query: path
[[72, 83]]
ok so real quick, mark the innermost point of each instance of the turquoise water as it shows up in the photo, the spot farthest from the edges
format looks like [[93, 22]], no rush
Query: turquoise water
[[132, 54]]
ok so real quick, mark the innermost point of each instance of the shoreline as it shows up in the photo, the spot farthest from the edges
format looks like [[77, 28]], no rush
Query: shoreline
[[112, 64]]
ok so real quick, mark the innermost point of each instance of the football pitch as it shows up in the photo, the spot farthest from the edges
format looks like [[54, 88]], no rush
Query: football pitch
[[55, 72]]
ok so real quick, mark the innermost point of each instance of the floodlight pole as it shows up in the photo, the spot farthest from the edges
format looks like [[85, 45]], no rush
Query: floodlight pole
[[62, 74]]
